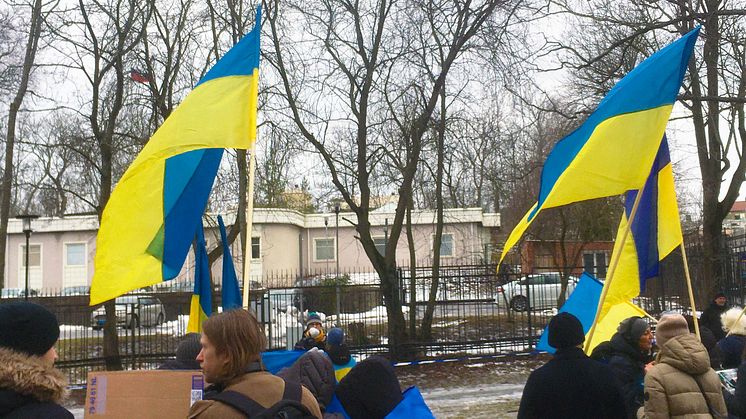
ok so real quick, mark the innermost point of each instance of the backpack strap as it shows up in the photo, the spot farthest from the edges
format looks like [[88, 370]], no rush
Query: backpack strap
[[238, 401], [292, 391]]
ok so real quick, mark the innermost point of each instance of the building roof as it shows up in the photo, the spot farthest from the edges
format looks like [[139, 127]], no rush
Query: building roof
[[738, 206], [278, 216]]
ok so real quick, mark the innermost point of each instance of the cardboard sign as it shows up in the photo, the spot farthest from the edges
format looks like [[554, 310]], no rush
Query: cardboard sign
[[157, 394]]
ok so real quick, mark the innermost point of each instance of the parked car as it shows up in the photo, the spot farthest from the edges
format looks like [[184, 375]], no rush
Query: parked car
[[132, 312], [77, 290], [543, 288]]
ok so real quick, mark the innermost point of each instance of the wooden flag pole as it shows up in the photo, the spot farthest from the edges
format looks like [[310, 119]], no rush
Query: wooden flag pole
[[691, 292], [613, 266], [249, 223]]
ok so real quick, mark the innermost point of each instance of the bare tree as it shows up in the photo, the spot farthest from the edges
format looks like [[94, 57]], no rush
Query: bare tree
[[32, 43], [350, 47]]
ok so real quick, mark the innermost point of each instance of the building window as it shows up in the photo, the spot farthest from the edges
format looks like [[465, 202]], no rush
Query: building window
[[256, 247], [35, 274], [323, 250], [74, 268], [595, 263], [380, 243], [446, 245]]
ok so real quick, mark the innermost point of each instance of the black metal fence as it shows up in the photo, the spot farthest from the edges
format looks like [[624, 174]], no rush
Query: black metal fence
[[475, 311]]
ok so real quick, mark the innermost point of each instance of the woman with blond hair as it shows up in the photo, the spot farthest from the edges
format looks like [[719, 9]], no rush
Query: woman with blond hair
[[732, 346]]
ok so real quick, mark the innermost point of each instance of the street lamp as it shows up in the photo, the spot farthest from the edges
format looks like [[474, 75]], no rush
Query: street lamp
[[26, 220], [326, 234], [336, 256]]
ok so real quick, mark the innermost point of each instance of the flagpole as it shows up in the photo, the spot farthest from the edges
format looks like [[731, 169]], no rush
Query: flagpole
[[613, 266], [691, 292], [249, 223]]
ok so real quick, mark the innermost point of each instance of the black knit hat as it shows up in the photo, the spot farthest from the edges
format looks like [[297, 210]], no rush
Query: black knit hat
[[28, 328], [188, 350], [565, 331], [632, 328]]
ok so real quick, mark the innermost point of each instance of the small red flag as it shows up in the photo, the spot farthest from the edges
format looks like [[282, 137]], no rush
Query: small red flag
[[139, 77]]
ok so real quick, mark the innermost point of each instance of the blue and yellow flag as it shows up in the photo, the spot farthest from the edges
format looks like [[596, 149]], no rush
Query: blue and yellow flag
[[655, 232], [201, 306], [155, 209], [613, 150], [583, 303], [231, 294]]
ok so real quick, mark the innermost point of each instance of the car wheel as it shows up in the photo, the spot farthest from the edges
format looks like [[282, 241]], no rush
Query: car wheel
[[134, 323], [160, 319], [519, 303]]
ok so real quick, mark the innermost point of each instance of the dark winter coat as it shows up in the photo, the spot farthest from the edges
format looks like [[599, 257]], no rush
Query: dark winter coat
[[314, 370], [571, 385], [731, 348], [710, 343], [710, 318], [736, 403], [681, 384], [628, 364], [29, 389]]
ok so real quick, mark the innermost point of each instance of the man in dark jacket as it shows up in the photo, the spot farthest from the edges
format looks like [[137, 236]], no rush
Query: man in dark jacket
[[571, 385], [710, 318], [630, 352], [30, 386]]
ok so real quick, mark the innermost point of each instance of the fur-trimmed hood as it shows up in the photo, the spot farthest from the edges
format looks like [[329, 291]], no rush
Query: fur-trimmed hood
[[728, 320], [28, 376]]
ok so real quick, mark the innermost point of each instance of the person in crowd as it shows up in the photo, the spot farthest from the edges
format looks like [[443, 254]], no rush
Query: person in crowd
[[630, 354], [339, 353], [681, 383], [571, 385], [732, 346], [736, 401], [710, 318], [708, 340], [186, 354], [314, 336], [371, 390], [30, 386], [232, 342]]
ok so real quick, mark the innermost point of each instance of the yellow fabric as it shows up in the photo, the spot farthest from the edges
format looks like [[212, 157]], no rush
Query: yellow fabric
[[196, 316], [220, 113], [607, 325], [669, 222], [340, 373], [616, 158]]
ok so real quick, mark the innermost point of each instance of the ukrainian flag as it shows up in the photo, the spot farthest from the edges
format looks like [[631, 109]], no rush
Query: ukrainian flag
[[655, 232], [201, 306], [155, 209], [613, 150]]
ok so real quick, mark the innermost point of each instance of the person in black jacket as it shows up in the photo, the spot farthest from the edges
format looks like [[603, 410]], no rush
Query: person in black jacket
[[708, 340], [571, 385], [630, 353], [30, 386], [710, 318]]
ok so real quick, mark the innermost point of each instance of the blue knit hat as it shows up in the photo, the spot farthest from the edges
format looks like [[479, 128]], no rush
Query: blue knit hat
[[335, 336], [28, 328]]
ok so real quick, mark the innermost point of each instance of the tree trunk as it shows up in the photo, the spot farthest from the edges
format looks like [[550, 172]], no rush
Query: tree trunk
[[10, 139], [427, 319], [412, 273]]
